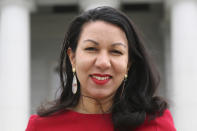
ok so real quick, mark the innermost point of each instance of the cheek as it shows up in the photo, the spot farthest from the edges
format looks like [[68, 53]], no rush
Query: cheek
[[83, 65], [120, 71], [120, 66], [82, 60]]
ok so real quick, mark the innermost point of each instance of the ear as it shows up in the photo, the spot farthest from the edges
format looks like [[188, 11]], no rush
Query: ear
[[71, 55]]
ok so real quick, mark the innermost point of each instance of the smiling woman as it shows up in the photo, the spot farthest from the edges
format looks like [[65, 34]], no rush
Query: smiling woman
[[105, 51], [108, 81]]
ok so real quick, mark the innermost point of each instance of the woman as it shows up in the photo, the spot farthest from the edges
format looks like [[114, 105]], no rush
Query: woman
[[108, 81]]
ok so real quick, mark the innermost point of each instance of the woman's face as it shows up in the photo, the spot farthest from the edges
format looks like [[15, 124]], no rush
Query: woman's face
[[101, 59]]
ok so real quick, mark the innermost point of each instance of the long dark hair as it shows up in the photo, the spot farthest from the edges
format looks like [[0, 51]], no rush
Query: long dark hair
[[139, 100]]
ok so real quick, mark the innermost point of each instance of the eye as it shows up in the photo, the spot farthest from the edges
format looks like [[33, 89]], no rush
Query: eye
[[117, 52], [91, 49]]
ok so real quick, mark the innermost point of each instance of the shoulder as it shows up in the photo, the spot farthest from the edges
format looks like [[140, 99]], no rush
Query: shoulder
[[37, 122], [165, 122], [31, 124], [160, 123]]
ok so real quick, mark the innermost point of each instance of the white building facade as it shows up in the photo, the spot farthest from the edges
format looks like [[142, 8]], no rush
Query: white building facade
[[31, 33]]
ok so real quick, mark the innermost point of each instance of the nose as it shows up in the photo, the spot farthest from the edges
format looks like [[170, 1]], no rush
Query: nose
[[103, 61]]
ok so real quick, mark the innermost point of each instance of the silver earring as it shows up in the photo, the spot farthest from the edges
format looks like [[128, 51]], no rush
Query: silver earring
[[123, 86], [74, 84]]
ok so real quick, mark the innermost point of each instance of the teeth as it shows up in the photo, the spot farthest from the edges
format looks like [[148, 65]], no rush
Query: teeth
[[101, 78]]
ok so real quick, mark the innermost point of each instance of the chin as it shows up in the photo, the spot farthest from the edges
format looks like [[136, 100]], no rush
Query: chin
[[101, 96]]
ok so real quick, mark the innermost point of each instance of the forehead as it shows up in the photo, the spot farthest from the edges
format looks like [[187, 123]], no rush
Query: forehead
[[103, 31]]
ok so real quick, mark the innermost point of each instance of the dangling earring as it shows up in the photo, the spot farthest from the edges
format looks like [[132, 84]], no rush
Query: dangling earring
[[123, 86], [74, 84]]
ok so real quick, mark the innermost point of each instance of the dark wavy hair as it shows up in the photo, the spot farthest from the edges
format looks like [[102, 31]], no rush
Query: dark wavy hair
[[139, 101]]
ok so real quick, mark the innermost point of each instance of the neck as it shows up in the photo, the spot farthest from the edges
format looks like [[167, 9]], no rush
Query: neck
[[88, 105]]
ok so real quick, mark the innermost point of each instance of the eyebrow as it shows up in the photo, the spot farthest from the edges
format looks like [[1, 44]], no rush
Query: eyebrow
[[92, 41], [113, 44], [119, 43]]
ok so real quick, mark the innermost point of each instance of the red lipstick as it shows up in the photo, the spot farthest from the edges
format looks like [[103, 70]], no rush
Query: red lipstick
[[100, 79]]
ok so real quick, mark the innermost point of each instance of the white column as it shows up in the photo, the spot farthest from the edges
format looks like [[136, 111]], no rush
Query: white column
[[14, 64], [0, 28], [89, 4], [184, 63]]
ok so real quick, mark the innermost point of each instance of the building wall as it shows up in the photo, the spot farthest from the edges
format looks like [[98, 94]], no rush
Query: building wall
[[47, 33], [150, 24]]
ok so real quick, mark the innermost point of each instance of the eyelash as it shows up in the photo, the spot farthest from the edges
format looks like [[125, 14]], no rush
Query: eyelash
[[117, 52], [90, 48], [95, 49]]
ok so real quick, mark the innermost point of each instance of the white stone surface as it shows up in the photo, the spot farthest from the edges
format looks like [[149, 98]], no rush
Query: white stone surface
[[73, 2], [89, 4], [14, 67], [184, 64]]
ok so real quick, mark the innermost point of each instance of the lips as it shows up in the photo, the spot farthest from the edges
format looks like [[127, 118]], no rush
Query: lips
[[100, 79]]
